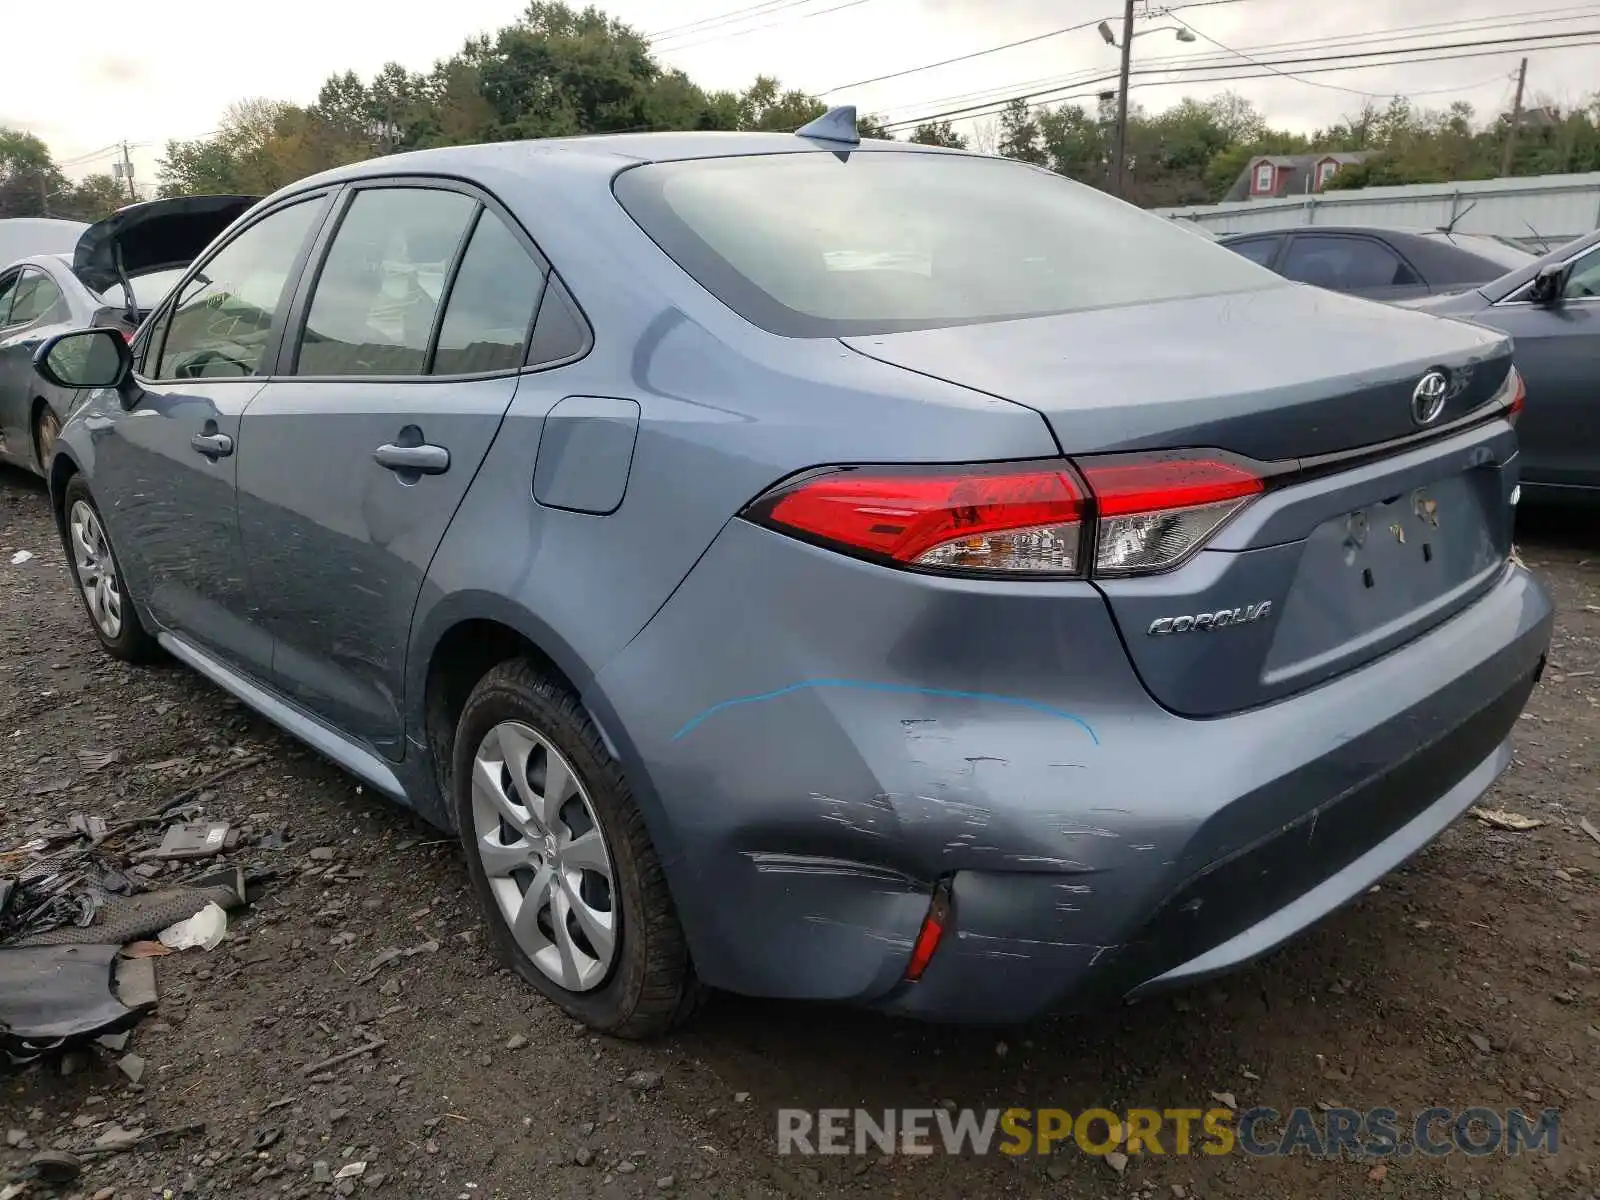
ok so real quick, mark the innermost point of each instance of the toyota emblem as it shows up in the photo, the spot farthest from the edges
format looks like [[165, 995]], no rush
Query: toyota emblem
[[1427, 399]]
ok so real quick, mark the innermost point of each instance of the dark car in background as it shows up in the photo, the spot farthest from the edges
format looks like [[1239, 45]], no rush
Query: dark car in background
[[115, 273], [1380, 264], [1551, 308]]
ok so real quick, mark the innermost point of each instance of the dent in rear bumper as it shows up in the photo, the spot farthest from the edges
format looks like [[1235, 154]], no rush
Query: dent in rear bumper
[[803, 827]]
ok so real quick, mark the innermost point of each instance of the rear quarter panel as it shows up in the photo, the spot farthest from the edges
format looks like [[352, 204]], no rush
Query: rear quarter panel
[[726, 410]]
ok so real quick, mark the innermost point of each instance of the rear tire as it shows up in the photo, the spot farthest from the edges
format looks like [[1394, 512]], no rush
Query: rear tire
[[97, 575], [46, 430], [572, 891]]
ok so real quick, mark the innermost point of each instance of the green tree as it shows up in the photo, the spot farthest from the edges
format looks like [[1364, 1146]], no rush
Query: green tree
[[30, 183], [938, 133], [93, 198], [1019, 134]]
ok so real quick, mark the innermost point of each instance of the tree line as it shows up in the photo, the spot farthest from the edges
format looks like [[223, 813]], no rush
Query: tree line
[[559, 71]]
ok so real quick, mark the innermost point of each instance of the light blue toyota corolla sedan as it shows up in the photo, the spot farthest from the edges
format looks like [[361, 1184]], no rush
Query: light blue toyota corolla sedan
[[817, 568]]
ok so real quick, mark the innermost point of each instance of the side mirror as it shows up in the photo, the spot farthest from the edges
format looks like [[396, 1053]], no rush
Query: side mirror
[[85, 358], [1550, 285]]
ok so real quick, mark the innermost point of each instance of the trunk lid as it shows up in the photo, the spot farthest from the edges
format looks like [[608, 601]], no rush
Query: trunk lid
[[1373, 535], [1281, 373], [158, 235]]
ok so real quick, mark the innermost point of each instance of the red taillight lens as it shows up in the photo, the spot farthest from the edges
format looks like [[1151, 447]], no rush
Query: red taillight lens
[[1014, 517], [1157, 509], [1153, 511], [1519, 396], [930, 935]]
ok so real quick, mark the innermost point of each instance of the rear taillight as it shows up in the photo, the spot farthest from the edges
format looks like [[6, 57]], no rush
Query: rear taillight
[[1519, 395], [1156, 510], [1122, 513], [1011, 517]]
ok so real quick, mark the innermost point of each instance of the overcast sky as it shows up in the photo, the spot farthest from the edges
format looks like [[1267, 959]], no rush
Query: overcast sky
[[172, 70]]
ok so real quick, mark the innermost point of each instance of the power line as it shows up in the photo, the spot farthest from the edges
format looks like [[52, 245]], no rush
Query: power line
[[1048, 96], [1038, 37], [719, 37], [1212, 61], [731, 17]]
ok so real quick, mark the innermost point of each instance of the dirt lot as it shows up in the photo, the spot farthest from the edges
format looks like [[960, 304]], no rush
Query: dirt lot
[[1465, 980]]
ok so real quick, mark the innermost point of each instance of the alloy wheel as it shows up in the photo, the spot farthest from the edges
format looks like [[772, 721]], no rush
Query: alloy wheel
[[96, 569], [545, 856]]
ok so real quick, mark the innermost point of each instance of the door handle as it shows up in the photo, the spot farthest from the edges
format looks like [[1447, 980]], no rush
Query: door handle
[[212, 445], [415, 460]]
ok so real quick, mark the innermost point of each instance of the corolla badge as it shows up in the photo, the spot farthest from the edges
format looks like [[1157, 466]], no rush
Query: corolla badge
[[1427, 398], [1199, 622]]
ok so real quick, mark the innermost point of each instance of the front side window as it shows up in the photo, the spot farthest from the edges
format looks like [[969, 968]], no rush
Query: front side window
[[221, 324], [1584, 282], [36, 295], [489, 315], [815, 245], [1345, 264], [373, 308]]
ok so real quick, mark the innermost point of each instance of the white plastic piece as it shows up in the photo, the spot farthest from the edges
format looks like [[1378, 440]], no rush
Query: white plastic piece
[[205, 929], [20, 557]]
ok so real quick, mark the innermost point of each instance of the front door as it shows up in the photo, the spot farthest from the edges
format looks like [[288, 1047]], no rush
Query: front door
[[399, 367], [1558, 353], [170, 459]]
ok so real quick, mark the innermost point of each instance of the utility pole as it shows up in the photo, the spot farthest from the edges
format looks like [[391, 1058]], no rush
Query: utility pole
[[127, 173], [1119, 162], [1516, 119]]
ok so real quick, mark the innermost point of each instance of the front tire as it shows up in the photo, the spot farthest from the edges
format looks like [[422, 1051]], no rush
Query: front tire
[[98, 577], [558, 854]]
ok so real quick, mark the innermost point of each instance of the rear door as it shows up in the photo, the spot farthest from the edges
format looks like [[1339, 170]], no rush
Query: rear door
[[1351, 263], [402, 359], [1558, 352]]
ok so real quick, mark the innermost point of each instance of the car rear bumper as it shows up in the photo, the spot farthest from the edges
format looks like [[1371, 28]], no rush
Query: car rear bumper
[[816, 743]]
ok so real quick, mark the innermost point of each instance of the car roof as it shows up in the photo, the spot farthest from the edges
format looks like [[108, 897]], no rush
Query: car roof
[[614, 149]]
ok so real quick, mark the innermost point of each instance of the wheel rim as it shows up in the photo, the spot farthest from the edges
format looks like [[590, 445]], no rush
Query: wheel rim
[[96, 570], [537, 835], [49, 431]]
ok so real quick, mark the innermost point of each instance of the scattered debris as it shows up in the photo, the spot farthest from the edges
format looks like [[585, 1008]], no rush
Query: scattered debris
[[1117, 1161], [56, 997], [20, 557], [116, 1139], [516, 1042], [1499, 818], [205, 929], [1588, 827], [198, 839], [132, 1066], [373, 1043], [644, 1081], [354, 1170], [1226, 1099]]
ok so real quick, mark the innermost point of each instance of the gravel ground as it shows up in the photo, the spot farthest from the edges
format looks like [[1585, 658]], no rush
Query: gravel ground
[[1465, 979]]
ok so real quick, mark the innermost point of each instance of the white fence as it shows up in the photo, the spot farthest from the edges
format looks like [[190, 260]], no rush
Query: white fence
[[1549, 208]]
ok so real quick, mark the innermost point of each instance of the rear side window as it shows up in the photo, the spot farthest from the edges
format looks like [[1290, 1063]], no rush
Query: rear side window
[[222, 322], [489, 316], [1345, 264], [824, 245], [373, 308], [36, 296], [1257, 250], [8, 286]]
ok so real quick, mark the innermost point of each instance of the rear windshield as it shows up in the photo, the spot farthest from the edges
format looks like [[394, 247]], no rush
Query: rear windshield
[[823, 245], [148, 290], [1504, 255]]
